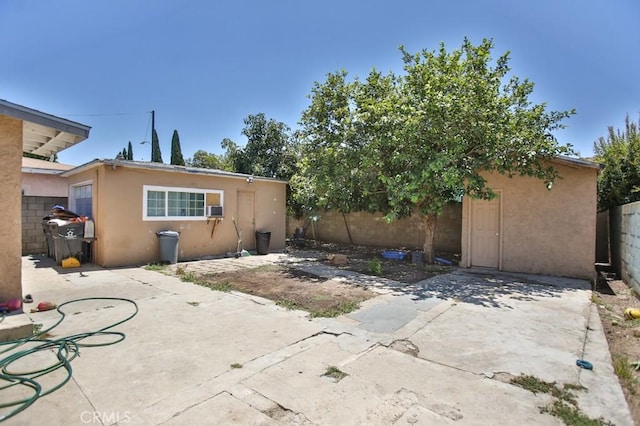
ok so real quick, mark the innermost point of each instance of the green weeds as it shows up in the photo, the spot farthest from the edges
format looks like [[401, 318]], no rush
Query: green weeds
[[565, 405], [375, 266], [335, 373], [159, 267], [341, 309]]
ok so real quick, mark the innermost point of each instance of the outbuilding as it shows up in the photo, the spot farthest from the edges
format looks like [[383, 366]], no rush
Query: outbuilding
[[215, 213], [532, 227]]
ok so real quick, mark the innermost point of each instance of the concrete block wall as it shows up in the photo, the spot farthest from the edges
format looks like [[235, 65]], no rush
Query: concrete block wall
[[625, 242], [33, 210], [602, 237], [371, 230]]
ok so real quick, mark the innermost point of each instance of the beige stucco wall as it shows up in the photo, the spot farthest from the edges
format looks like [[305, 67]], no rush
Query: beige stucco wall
[[10, 208], [44, 185], [372, 230], [545, 231], [123, 238]]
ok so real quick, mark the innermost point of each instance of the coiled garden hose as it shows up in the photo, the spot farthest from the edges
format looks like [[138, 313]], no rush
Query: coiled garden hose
[[66, 349]]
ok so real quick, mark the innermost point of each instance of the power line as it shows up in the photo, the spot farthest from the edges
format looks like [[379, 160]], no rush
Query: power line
[[103, 114]]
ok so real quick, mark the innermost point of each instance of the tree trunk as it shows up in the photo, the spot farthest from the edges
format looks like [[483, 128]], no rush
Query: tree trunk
[[429, 235], [347, 226]]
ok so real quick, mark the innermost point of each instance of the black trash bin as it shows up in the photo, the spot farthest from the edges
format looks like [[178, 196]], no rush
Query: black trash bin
[[262, 242], [168, 246], [416, 257]]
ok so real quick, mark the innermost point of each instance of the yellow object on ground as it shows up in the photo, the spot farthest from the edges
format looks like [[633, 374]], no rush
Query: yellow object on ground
[[632, 313], [70, 262]]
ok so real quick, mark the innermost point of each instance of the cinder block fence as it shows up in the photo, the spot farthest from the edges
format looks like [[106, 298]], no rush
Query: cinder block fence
[[625, 242], [33, 210]]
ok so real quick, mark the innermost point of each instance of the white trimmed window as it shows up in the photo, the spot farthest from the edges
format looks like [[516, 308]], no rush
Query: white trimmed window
[[172, 203], [81, 198]]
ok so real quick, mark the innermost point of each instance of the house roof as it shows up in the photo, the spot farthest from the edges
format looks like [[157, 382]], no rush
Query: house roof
[[34, 165], [578, 162], [147, 165], [44, 134]]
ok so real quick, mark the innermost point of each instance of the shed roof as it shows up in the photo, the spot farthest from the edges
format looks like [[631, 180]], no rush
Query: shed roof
[[578, 162], [44, 134], [148, 165]]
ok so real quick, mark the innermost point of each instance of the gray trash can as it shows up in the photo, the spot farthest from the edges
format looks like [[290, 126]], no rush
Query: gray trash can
[[262, 242], [64, 241], [168, 246]]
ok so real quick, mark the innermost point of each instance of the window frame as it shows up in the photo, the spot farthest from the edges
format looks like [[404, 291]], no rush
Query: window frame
[[72, 198], [166, 190]]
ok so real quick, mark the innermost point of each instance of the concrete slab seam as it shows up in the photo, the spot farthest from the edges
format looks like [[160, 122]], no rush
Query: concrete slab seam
[[267, 412]]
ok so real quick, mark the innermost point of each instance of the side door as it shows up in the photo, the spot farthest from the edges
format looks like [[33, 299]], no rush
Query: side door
[[486, 233]]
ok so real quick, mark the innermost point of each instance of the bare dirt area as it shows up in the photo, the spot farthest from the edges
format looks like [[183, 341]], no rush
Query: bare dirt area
[[292, 289], [613, 297], [363, 259], [320, 297]]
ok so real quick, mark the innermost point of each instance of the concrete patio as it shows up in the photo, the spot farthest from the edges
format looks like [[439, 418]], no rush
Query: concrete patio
[[436, 352]]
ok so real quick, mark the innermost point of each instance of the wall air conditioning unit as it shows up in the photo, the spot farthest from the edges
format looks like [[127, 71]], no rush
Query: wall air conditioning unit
[[214, 211]]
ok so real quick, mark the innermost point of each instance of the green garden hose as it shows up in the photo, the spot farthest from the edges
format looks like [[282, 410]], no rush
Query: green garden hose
[[66, 349]]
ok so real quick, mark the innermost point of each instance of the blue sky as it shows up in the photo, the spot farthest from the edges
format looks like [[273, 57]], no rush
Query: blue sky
[[203, 66]]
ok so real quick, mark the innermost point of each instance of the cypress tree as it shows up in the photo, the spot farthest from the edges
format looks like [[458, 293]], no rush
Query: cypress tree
[[156, 155], [130, 152], [176, 151]]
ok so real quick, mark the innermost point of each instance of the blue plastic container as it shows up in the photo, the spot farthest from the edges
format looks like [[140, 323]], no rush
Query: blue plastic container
[[394, 254]]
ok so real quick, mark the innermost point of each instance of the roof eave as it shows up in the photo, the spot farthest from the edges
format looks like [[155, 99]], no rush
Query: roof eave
[[38, 117], [167, 168]]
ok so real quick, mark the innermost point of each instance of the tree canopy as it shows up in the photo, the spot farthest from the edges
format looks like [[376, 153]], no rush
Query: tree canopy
[[207, 160], [410, 143], [619, 152], [270, 150]]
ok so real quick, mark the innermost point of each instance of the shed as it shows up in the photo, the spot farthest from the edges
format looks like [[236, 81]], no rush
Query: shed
[[131, 201], [534, 229]]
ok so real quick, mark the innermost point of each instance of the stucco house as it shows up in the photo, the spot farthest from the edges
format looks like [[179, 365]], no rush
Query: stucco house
[[131, 201], [531, 228], [24, 129]]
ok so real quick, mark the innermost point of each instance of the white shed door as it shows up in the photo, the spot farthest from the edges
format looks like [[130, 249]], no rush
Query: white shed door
[[485, 233]]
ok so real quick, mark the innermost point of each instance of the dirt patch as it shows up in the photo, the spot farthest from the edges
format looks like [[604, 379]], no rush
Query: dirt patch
[[295, 289], [292, 289], [613, 297], [363, 259]]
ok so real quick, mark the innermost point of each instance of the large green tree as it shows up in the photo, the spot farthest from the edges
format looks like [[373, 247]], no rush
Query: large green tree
[[176, 150], [156, 155], [130, 152], [619, 152], [269, 151], [409, 144], [208, 160]]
